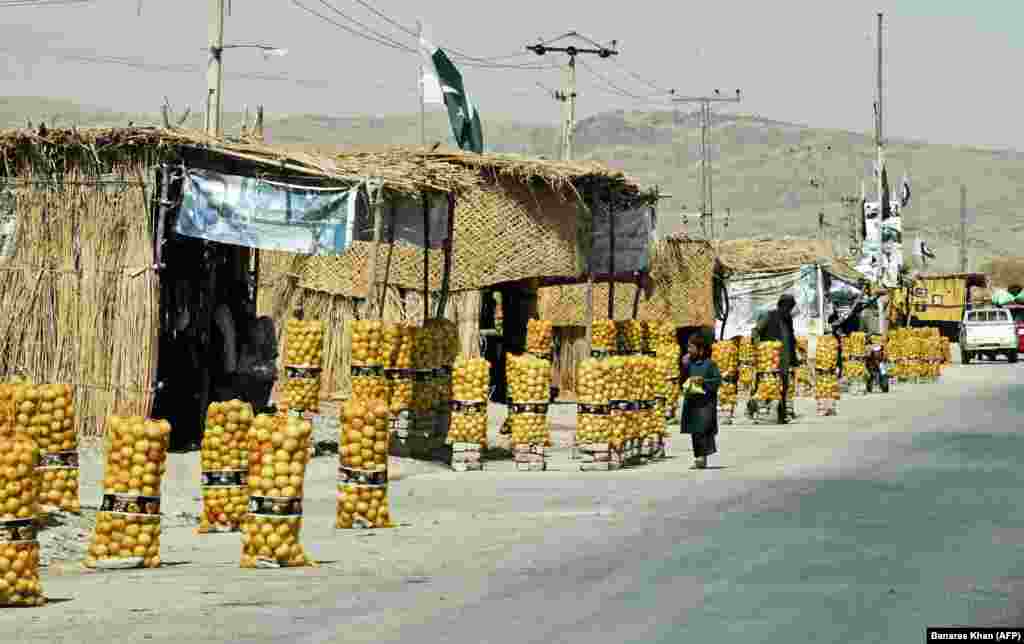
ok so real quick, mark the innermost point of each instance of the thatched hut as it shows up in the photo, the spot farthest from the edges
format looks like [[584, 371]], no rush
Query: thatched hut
[[760, 270], [98, 286], [680, 288]]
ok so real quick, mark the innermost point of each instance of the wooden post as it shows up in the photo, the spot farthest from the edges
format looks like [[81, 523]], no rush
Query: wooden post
[[387, 264], [611, 262], [374, 191], [426, 258], [640, 282], [442, 303], [588, 311]]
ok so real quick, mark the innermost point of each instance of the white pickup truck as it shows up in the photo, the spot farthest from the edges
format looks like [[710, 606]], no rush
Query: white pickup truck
[[988, 332]]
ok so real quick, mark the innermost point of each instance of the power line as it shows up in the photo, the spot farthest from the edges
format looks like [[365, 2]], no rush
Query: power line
[[386, 41], [135, 63], [616, 88], [643, 80], [364, 26], [354, 32], [43, 3]]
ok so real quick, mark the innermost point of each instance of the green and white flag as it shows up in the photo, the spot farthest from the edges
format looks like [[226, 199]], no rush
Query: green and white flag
[[462, 113]]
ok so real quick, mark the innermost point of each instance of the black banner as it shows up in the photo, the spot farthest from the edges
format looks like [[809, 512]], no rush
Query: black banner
[[18, 530], [224, 478], [624, 405], [350, 475], [443, 372], [272, 506], [542, 356], [591, 410], [130, 504], [468, 406], [645, 405], [423, 375], [305, 373], [366, 372], [973, 634], [540, 409], [399, 374], [825, 372], [600, 355], [59, 461]]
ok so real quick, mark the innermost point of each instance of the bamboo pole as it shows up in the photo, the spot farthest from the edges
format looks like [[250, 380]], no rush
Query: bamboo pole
[[442, 303], [378, 230], [426, 258]]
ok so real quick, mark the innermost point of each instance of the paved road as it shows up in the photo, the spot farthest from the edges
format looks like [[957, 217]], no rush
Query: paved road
[[921, 525], [901, 513]]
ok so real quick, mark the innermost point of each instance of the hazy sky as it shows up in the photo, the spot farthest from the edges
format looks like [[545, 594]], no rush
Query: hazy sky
[[808, 61]]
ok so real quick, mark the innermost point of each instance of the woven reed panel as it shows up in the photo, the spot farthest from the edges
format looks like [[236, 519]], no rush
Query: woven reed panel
[[504, 231], [682, 273]]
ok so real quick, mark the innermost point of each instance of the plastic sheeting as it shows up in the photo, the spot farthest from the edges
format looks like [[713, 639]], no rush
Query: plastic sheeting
[[635, 233], [752, 294]]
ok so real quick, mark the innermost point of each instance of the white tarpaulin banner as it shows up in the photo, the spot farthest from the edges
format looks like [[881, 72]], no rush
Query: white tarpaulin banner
[[752, 294], [253, 212]]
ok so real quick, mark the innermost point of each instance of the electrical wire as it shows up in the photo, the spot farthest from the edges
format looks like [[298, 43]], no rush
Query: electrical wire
[[649, 83], [615, 88], [354, 32], [365, 26], [73, 56], [43, 3], [415, 34], [386, 41]]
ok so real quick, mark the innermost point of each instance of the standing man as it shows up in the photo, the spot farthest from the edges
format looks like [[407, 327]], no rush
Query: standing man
[[777, 325]]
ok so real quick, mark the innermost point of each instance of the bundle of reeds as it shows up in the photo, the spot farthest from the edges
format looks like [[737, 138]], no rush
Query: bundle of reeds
[[78, 296]]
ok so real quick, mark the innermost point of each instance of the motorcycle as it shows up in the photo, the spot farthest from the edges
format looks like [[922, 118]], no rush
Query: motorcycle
[[878, 369]]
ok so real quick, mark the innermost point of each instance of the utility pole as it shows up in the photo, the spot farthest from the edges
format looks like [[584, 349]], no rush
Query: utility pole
[[706, 200], [879, 140], [423, 95], [569, 125], [963, 228], [215, 70]]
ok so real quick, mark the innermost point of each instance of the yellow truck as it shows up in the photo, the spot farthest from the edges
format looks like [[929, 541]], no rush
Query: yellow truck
[[935, 301]]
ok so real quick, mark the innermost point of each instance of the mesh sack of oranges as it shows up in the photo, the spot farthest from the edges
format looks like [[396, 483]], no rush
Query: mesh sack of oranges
[[592, 401], [302, 389], [127, 533], [19, 488], [278, 455], [471, 383], [769, 356], [662, 336], [604, 337], [529, 387], [540, 337], [726, 356], [224, 460], [46, 413], [363, 465], [304, 343], [769, 388]]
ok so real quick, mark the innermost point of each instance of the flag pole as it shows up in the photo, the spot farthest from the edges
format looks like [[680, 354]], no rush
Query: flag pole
[[423, 109]]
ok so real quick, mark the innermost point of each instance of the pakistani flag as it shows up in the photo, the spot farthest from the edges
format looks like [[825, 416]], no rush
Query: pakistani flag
[[462, 113]]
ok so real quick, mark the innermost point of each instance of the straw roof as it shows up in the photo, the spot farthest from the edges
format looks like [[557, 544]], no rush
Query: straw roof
[[407, 170], [767, 255]]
